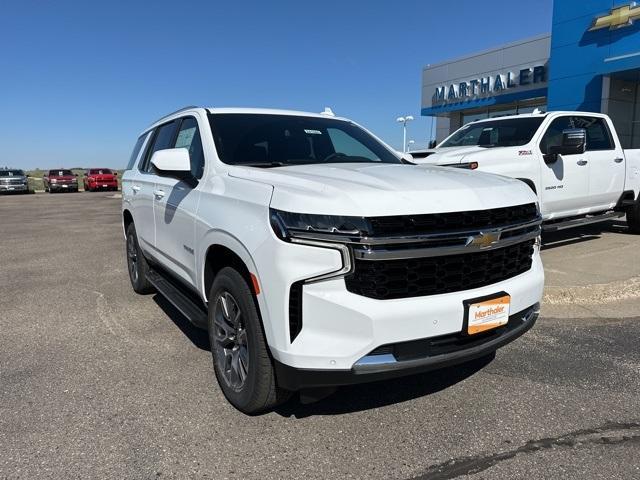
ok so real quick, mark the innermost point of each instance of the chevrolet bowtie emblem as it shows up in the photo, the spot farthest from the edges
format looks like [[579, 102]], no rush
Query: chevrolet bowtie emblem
[[485, 239], [618, 17]]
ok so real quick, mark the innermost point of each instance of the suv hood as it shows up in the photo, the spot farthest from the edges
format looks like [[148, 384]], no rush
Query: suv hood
[[449, 155], [361, 189]]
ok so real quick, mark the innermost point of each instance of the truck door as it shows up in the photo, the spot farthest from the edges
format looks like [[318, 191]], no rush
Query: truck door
[[606, 163], [175, 206], [564, 184]]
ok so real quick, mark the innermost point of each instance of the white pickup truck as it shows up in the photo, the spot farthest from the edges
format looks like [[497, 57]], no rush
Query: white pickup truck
[[572, 160], [315, 258]]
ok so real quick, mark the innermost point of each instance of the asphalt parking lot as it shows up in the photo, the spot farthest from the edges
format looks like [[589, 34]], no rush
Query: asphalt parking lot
[[98, 382]]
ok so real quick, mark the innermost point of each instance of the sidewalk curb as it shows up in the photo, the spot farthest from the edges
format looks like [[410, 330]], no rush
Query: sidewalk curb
[[595, 294]]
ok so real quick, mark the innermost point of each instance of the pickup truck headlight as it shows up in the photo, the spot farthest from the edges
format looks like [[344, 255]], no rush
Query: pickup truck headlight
[[333, 228], [53, 180]]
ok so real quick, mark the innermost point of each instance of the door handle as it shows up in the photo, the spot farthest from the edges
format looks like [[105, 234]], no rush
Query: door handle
[[618, 160], [135, 188], [158, 193], [582, 162]]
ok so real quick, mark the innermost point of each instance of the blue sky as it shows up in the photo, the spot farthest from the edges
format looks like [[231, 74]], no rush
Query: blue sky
[[80, 80]]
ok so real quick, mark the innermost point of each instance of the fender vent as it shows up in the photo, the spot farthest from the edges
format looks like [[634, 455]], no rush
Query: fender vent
[[295, 310]]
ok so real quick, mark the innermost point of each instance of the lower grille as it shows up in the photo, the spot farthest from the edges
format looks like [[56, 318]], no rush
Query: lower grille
[[414, 277]]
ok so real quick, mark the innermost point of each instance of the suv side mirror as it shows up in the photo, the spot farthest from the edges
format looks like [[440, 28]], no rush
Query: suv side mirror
[[172, 161], [574, 142], [407, 158]]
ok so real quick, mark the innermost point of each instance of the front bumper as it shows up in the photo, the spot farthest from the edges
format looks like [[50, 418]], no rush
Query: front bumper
[[14, 188], [384, 366], [102, 185], [63, 186]]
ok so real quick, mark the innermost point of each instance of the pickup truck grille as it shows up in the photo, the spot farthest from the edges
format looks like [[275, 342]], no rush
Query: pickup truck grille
[[413, 277]]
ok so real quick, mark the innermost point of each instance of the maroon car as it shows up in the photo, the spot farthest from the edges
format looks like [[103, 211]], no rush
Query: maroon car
[[100, 179], [60, 180]]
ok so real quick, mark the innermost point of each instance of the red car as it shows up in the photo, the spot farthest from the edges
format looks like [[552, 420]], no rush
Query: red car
[[100, 179], [60, 180]]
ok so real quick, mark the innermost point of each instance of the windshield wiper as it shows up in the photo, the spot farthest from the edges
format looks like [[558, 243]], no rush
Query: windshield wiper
[[261, 164]]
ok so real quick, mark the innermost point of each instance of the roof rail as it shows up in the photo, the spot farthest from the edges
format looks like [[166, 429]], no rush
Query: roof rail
[[189, 107]]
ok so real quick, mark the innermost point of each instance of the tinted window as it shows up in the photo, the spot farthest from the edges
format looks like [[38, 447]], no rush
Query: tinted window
[[598, 135], [553, 136], [509, 132], [100, 171], [11, 173], [60, 173], [136, 152], [189, 138], [263, 140], [163, 139]]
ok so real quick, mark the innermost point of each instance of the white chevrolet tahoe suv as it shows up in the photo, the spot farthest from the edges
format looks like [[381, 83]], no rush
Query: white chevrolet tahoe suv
[[574, 161], [315, 258]]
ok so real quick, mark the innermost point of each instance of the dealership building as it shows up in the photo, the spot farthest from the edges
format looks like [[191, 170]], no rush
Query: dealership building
[[589, 62]]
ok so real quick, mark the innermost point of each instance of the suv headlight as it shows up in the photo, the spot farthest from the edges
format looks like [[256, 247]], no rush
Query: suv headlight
[[331, 228], [324, 231]]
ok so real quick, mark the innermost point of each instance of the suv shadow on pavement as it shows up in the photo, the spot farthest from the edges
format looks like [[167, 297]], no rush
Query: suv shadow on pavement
[[582, 234], [352, 398], [366, 396]]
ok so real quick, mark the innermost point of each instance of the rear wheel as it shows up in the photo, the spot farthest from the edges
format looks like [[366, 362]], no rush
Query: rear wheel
[[137, 264], [633, 217], [241, 358]]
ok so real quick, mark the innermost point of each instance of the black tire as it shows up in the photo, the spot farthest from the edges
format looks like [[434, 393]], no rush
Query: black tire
[[136, 264], [633, 217], [238, 336]]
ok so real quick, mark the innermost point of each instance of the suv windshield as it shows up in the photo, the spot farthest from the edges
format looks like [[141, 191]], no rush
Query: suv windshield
[[11, 173], [263, 140], [495, 133], [100, 171], [60, 173]]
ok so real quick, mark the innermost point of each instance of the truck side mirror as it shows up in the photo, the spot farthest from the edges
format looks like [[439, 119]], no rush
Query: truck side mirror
[[172, 162], [574, 142]]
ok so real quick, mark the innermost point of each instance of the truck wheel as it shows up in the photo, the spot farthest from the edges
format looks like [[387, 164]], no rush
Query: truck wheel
[[241, 359], [633, 217], [137, 264]]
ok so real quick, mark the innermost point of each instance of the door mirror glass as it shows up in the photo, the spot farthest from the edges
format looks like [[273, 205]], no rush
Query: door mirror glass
[[172, 161]]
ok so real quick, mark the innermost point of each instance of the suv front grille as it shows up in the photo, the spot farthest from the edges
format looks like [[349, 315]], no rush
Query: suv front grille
[[414, 277], [435, 222]]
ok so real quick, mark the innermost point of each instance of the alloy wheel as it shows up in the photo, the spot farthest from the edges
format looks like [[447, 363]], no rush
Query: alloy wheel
[[230, 341]]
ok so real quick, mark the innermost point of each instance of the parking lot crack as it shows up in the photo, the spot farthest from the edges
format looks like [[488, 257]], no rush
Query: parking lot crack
[[609, 434]]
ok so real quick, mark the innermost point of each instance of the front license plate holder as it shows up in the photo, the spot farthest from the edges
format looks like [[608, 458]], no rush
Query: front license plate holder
[[486, 313]]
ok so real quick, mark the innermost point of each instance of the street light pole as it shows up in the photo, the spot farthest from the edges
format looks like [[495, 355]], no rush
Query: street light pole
[[403, 121]]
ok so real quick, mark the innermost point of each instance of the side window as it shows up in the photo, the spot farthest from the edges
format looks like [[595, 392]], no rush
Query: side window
[[553, 136], [189, 138], [598, 135], [134, 154], [162, 139]]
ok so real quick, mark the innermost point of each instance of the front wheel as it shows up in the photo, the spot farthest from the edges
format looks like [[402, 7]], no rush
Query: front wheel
[[241, 358], [137, 264]]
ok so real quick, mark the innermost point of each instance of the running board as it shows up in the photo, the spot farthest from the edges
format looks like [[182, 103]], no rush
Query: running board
[[576, 222], [178, 298]]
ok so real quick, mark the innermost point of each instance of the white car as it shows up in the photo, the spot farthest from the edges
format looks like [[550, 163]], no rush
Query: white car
[[315, 258], [574, 162]]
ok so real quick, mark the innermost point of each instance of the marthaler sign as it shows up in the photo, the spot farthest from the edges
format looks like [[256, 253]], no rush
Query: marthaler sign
[[490, 84]]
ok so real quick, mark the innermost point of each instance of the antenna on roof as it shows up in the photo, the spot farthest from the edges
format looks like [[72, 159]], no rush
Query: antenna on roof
[[536, 111], [328, 112]]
